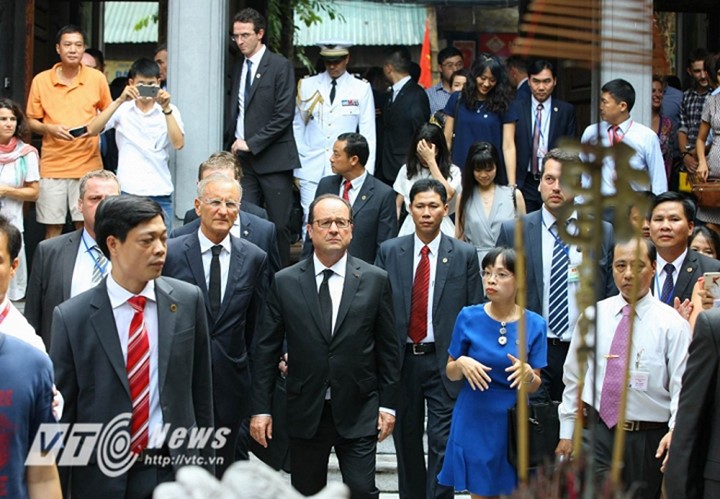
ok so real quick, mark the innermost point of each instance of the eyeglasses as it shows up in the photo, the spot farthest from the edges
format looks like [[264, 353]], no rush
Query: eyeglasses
[[340, 223], [454, 65], [216, 204], [242, 36], [500, 276]]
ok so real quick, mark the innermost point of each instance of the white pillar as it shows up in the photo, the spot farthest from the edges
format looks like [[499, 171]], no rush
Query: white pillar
[[197, 29], [616, 22]]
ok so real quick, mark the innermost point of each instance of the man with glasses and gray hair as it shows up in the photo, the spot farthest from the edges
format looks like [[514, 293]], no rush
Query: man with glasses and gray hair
[[233, 277]]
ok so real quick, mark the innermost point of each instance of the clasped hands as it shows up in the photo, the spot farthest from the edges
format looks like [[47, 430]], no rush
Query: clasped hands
[[478, 377]]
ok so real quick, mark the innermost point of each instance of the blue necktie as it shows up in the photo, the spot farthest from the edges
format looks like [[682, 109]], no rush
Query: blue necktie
[[668, 286], [558, 320], [248, 81]]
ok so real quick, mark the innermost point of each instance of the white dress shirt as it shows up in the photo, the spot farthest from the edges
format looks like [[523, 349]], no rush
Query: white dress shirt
[[648, 156], [123, 313], [659, 348], [548, 244], [357, 184], [255, 59], [661, 275], [398, 86], [434, 246], [206, 253], [85, 263], [545, 118], [16, 325]]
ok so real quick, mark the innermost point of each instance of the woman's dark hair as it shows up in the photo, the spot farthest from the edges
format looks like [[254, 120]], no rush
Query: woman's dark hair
[[499, 98], [461, 72], [712, 237], [481, 156], [492, 256], [434, 135], [22, 130]]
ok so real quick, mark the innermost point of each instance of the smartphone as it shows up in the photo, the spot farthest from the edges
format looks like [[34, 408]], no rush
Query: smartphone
[[148, 90], [78, 131], [712, 283]]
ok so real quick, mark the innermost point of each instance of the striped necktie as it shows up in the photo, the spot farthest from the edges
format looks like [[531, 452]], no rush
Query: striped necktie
[[558, 320], [138, 372]]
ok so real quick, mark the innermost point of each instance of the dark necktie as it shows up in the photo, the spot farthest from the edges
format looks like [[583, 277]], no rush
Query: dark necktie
[[668, 285], [326, 301], [332, 91], [346, 190], [615, 371], [248, 81], [138, 371], [214, 290], [558, 320], [536, 140], [419, 301]]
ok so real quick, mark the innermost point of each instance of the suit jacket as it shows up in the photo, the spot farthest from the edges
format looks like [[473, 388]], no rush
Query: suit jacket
[[374, 216], [269, 114], [532, 237], [693, 470], [401, 118], [693, 267], [256, 230], [457, 285], [523, 91], [50, 280], [245, 206], [234, 326], [91, 375], [359, 362], [562, 124]]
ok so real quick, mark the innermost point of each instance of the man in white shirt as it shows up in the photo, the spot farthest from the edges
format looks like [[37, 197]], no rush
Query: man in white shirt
[[658, 352], [147, 125], [66, 266], [616, 102]]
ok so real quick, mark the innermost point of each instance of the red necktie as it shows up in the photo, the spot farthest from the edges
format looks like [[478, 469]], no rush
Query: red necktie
[[138, 371], [419, 303], [616, 137], [346, 190]]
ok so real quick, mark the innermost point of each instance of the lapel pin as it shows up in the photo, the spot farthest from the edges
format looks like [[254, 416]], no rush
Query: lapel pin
[[555, 109], [689, 269], [245, 233], [356, 275], [363, 197], [445, 260], [257, 76], [173, 307]]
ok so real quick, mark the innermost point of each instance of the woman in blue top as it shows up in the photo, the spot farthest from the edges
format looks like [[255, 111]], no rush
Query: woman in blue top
[[483, 111], [484, 352]]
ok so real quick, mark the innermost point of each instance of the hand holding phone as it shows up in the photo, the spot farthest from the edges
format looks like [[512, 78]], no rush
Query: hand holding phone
[[712, 284], [148, 91], [78, 131]]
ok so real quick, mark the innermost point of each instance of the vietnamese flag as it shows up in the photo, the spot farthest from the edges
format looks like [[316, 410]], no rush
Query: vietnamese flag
[[425, 59]]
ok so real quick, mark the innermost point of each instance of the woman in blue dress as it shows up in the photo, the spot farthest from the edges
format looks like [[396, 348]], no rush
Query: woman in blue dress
[[483, 111], [484, 352]]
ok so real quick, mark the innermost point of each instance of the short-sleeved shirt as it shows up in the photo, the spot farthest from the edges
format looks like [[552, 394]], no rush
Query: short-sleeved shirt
[[72, 105], [477, 124], [143, 148], [26, 381], [16, 174]]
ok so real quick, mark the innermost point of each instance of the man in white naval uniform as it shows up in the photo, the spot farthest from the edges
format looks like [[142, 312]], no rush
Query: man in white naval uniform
[[329, 104]]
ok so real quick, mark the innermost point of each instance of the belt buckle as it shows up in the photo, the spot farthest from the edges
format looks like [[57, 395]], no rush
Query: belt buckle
[[631, 426], [417, 349]]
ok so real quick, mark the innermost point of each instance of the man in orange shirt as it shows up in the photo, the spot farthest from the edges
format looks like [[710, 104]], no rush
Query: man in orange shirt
[[62, 101]]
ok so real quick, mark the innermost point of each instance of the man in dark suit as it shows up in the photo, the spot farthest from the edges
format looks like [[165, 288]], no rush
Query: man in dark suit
[[453, 282], [373, 202], [67, 265], [540, 232], [542, 120], [259, 126], [406, 109], [246, 225], [693, 467], [335, 312], [232, 275], [134, 347], [517, 72], [678, 267]]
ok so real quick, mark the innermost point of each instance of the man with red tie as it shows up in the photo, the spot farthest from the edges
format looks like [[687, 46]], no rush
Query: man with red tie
[[134, 351], [433, 277], [658, 352]]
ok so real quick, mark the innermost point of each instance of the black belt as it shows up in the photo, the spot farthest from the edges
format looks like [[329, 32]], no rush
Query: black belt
[[420, 348], [555, 342], [627, 425]]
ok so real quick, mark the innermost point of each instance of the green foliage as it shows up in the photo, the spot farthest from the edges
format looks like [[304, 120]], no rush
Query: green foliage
[[145, 22]]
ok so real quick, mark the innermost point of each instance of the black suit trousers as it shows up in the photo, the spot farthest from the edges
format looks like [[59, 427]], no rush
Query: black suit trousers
[[309, 458], [274, 192]]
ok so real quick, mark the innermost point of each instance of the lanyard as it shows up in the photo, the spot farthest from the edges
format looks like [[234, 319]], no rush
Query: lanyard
[[564, 246], [5, 312], [97, 265], [621, 137]]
